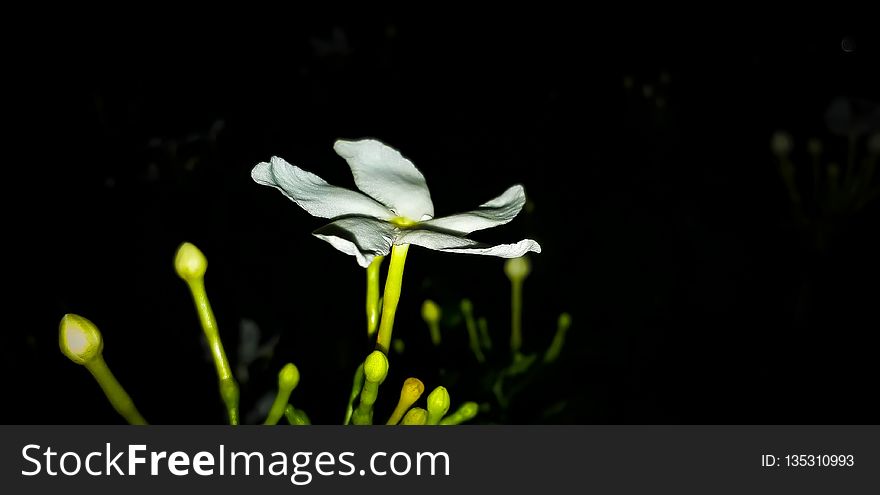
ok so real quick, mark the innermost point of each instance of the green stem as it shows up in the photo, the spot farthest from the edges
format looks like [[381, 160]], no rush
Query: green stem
[[373, 295], [485, 339], [558, 339], [228, 386], [473, 338], [118, 397], [356, 386], [434, 327], [516, 315], [393, 286], [278, 407], [296, 417], [363, 415]]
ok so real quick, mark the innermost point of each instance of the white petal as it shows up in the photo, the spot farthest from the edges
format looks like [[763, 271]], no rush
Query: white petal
[[314, 194], [361, 237], [454, 244], [384, 174], [493, 213]]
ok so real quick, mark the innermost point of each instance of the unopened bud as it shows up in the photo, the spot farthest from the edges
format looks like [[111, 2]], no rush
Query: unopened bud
[[79, 339], [376, 367], [189, 262]]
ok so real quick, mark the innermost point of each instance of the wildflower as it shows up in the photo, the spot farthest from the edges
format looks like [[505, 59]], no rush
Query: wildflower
[[394, 209]]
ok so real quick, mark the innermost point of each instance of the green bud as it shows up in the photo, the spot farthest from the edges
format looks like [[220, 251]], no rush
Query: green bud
[[190, 263], [564, 321], [438, 405], [376, 367], [288, 377], [517, 268], [79, 339], [467, 307], [465, 412], [468, 410], [430, 311], [415, 417], [781, 143]]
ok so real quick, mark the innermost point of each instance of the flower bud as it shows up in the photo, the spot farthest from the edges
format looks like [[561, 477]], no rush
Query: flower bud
[[430, 311], [781, 143], [517, 268], [415, 417], [564, 321], [79, 339], [288, 377], [189, 262], [438, 405], [465, 412], [376, 367]]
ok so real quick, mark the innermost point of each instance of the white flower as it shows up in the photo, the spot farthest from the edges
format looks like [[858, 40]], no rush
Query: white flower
[[394, 208]]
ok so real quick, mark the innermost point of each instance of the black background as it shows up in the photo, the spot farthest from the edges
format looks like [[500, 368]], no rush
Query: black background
[[667, 232]]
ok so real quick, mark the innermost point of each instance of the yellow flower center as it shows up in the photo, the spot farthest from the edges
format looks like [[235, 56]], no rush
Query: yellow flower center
[[403, 222]]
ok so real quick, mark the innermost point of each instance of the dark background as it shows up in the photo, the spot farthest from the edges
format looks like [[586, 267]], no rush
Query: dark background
[[667, 231]]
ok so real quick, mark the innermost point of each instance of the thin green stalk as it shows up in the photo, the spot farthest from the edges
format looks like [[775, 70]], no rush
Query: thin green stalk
[[393, 286], [373, 295], [516, 287], [288, 379], [559, 339], [467, 308], [118, 397], [363, 415], [516, 269], [356, 386], [228, 386], [375, 372], [485, 339], [191, 265]]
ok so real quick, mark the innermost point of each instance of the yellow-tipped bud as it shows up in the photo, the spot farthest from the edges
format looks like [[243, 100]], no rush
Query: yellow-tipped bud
[[409, 394], [430, 311], [288, 377], [415, 417], [376, 367], [413, 388], [79, 339], [517, 268], [438, 405], [189, 262]]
